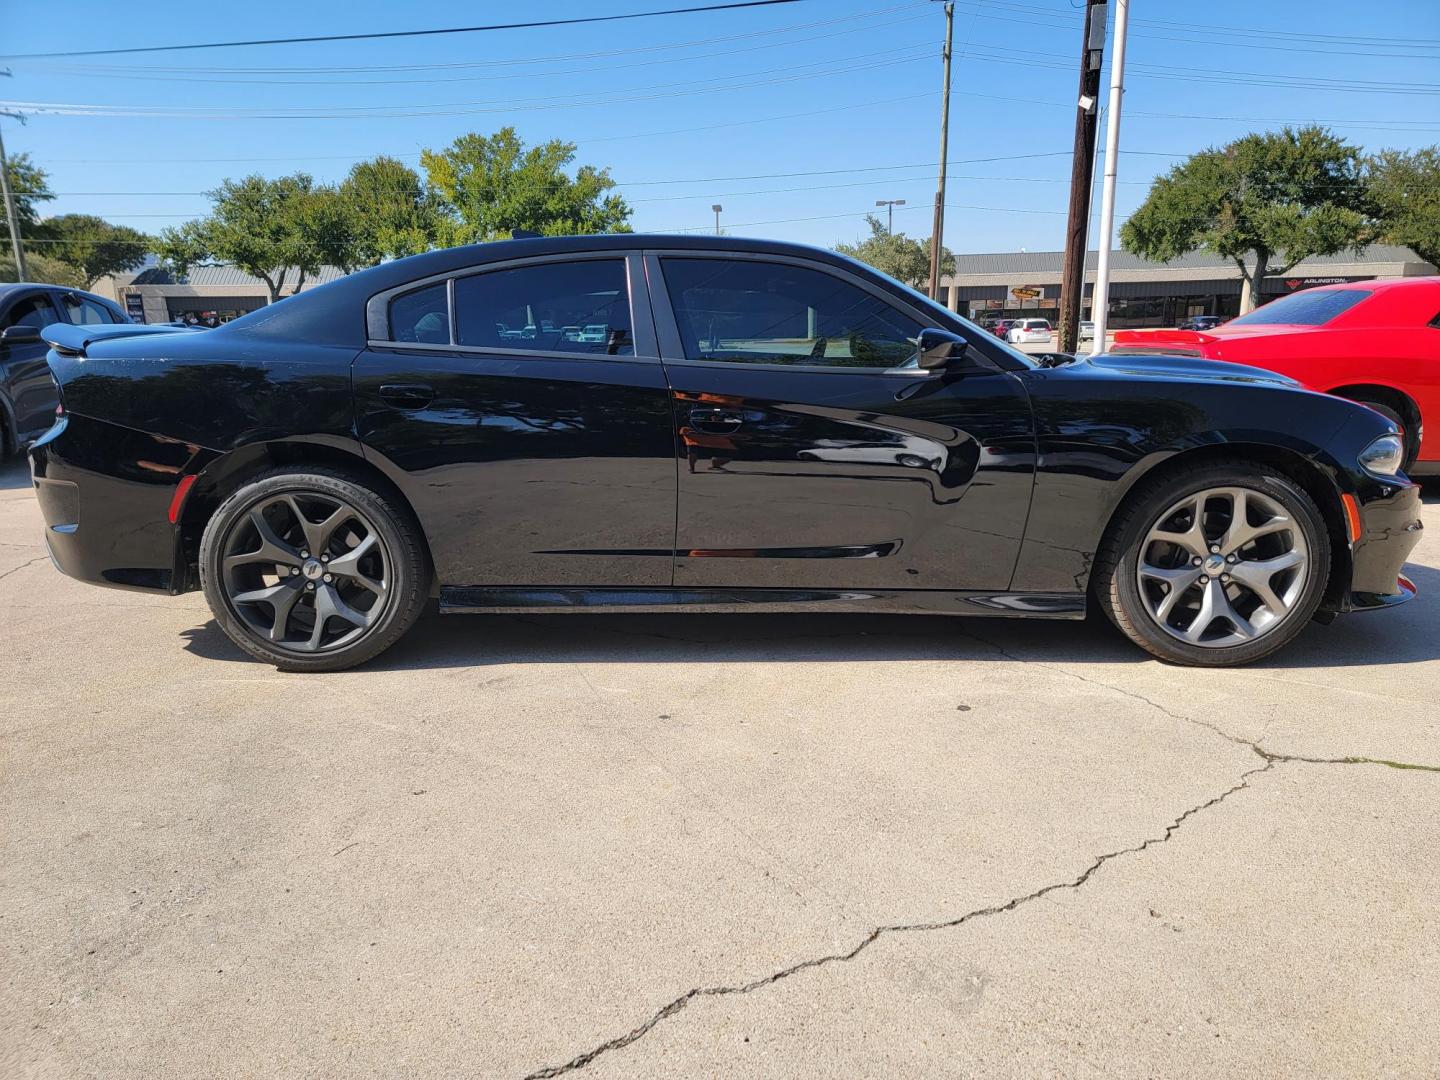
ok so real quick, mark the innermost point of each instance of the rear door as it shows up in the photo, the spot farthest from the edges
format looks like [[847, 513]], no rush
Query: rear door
[[526, 405], [805, 460], [24, 375]]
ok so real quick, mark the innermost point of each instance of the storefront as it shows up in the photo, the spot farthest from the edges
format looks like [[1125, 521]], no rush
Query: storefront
[[1144, 294], [206, 296]]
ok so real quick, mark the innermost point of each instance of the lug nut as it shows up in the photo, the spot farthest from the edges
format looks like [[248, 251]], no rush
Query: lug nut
[[1195, 561], [310, 586], [1225, 578], [1204, 580], [1232, 558], [329, 578], [324, 558], [304, 554], [1214, 549], [294, 570]]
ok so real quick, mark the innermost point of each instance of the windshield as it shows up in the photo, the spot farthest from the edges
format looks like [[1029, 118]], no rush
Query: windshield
[[1314, 308]]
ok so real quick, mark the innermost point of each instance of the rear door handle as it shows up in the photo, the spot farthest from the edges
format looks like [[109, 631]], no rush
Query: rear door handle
[[407, 395], [715, 416]]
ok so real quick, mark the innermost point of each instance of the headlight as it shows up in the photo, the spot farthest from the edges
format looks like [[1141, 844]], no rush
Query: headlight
[[1383, 456]]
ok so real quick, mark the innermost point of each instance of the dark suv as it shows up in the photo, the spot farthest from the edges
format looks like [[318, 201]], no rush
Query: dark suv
[[1201, 322], [27, 392]]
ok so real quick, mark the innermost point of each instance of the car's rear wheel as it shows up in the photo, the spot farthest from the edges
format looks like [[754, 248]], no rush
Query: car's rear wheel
[[1216, 566], [310, 570]]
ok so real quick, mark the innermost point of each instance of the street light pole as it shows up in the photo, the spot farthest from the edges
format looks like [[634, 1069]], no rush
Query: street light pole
[[890, 205], [717, 208], [937, 230], [1100, 297]]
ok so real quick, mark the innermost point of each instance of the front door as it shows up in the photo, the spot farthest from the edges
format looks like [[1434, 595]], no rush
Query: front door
[[528, 405], [805, 461]]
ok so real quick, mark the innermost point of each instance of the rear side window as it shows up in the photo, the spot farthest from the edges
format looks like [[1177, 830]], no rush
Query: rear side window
[[747, 311], [421, 316], [565, 307], [84, 312], [1314, 308], [31, 311]]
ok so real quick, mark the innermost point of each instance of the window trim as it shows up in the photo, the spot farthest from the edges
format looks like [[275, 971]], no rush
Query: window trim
[[667, 327], [642, 322]]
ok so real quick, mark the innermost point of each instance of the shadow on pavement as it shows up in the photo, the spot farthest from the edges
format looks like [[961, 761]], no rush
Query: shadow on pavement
[[1403, 636], [14, 473]]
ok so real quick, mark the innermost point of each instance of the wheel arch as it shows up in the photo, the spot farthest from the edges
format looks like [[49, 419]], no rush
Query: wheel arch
[[1385, 394], [1311, 478], [224, 475]]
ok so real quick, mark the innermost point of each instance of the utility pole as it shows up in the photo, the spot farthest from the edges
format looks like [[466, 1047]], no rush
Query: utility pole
[[937, 230], [12, 219], [717, 208], [1100, 299], [1082, 173], [890, 205]]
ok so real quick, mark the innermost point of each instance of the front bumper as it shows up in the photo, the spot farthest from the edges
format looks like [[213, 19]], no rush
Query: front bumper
[[1390, 527]]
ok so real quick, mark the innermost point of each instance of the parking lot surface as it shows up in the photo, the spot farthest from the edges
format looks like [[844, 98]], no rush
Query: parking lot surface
[[757, 846]]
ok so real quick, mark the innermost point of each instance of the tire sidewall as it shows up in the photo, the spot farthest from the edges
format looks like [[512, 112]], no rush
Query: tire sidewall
[[397, 534], [1125, 587]]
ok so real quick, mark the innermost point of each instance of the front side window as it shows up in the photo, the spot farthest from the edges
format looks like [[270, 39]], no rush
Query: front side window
[[565, 307], [31, 311], [1303, 309], [747, 311], [421, 317]]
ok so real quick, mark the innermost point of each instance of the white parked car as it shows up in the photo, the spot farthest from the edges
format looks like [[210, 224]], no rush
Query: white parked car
[[1030, 332], [1087, 330]]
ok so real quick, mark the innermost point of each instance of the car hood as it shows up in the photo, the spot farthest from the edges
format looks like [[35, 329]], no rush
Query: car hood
[[1184, 367]]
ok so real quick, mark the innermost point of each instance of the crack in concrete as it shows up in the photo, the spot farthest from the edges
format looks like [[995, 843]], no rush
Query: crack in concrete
[[1269, 758], [22, 566], [679, 1003]]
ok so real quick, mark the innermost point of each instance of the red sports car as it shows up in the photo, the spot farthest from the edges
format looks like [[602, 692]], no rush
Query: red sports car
[[1376, 342]]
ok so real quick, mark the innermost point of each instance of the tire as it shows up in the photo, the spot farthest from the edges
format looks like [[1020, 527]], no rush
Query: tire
[[256, 558], [1412, 438], [1286, 558]]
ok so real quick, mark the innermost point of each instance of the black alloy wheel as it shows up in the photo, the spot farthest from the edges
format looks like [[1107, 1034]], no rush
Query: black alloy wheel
[[312, 571]]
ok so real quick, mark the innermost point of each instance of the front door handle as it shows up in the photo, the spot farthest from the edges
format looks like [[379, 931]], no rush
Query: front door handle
[[407, 395], [715, 416]]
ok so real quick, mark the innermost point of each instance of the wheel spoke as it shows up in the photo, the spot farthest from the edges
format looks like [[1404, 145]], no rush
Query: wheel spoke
[[1179, 581], [348, 565], [1256, 576], [1193, 538], [281, 598], [272, 548], [1240, 532], [1206, 615]]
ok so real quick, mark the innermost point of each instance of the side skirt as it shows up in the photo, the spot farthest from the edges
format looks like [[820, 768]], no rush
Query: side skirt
[[471, 599]]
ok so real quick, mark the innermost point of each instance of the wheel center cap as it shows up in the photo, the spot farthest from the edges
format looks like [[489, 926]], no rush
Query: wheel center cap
[[1213, 565], [313, 569]]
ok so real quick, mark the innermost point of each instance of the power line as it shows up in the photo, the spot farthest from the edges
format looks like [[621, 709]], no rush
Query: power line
[[535, 24]]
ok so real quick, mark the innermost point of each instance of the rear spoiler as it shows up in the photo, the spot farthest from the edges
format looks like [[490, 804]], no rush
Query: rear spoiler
[[71, 340]]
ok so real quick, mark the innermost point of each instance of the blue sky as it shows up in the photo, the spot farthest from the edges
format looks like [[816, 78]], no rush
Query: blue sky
[[691, 110]]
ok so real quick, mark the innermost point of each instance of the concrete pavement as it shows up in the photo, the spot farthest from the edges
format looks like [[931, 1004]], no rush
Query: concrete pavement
[[741, 845]]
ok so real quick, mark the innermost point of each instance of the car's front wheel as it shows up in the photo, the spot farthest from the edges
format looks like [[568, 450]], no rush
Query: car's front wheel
[[1216, 566], [311, 570]]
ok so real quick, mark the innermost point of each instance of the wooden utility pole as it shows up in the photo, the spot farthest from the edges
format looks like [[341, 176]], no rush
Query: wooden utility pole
[[937, 230], [12, 219], [1082, 174]]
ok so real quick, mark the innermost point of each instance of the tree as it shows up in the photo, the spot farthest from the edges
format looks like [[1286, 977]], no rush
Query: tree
[[486, 186], [1406, 191], [1266, 201], [93, 246], [40, 268], [29, 184], [267, 228], [896, 254], [388, 210]]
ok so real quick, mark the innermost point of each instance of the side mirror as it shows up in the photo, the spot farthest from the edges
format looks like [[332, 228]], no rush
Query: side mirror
[[19, 335], [938, 349]]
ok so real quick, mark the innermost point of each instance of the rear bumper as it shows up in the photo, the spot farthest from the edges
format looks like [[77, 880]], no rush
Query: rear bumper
[[1390, 529], [104, 493]]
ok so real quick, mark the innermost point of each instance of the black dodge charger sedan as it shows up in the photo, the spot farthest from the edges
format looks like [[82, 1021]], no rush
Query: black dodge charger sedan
[[621, 423]]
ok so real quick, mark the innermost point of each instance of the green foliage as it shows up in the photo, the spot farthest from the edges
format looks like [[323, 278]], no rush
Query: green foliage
[[1282, 196], [93, 246], [486, 186], [389, 211], [1406, 191], [266, 228], [30, 185], [896, 254], [42, 269]]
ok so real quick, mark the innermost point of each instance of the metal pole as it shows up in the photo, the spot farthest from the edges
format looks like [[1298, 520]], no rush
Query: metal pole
[[717, 208], [937, 230], [1082, 172], [1100, 297], [11, 217]]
